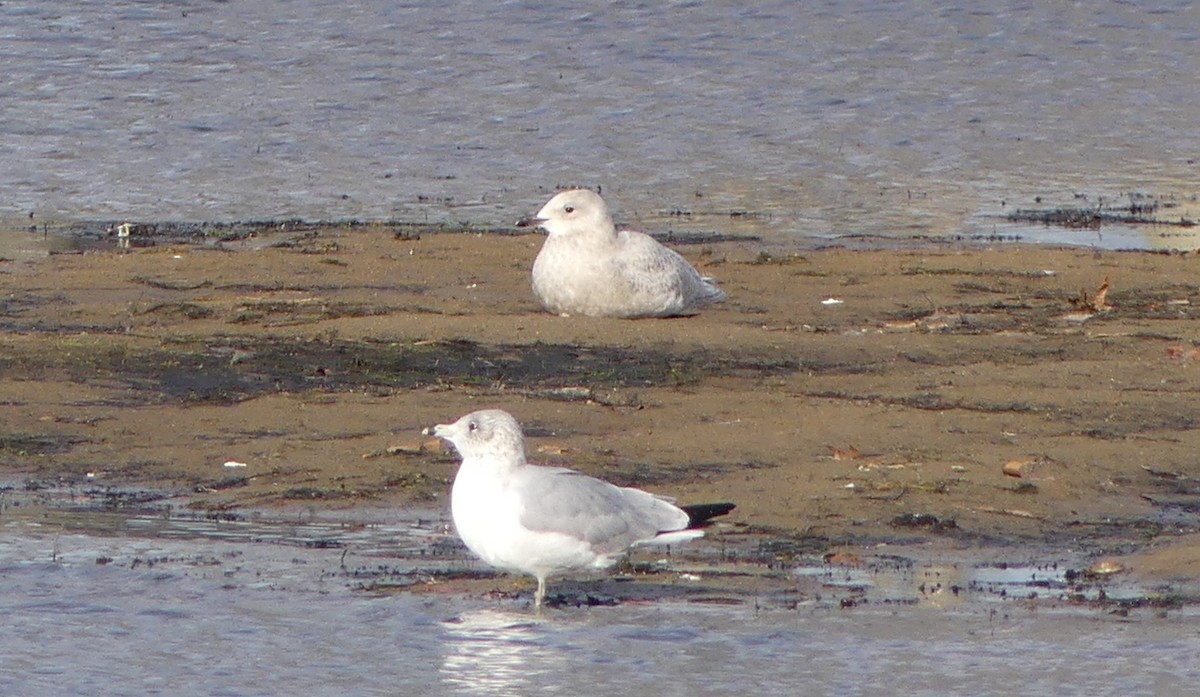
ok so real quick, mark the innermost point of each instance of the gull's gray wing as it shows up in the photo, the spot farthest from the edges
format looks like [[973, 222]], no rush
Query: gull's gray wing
[[608, 517], [657, 271]]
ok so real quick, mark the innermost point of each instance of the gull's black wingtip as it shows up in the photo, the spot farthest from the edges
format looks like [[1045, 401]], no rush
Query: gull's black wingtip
[[699, 514]]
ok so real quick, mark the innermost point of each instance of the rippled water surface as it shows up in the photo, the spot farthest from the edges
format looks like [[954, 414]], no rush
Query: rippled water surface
[[109, 603], [803, 120]]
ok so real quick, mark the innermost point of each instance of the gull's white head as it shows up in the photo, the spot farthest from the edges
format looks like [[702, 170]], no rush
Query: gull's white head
[[485, 433], [573, 212]]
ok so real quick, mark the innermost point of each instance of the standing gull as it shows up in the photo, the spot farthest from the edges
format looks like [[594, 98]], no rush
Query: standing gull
[[550, 521], [587, 267]]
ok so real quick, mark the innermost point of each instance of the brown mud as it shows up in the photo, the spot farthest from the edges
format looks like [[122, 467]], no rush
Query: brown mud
[[959, 396]]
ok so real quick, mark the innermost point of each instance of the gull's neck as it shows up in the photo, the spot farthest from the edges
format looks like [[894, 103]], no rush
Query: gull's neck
[[602, 234], [494, 461]]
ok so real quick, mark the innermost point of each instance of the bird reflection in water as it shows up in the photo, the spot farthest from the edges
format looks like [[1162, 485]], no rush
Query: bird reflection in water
[[490, 652]]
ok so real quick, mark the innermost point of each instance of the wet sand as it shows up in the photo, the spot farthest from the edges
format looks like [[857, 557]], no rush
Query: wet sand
[[840, 397]]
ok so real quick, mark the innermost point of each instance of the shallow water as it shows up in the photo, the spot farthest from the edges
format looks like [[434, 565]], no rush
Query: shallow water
[[106, 602], [794, 121]]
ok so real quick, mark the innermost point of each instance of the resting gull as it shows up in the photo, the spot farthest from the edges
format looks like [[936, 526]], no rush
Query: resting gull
[[587, 267]]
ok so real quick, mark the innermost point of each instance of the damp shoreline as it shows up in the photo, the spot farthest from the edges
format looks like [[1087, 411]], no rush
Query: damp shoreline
[[971, 396]]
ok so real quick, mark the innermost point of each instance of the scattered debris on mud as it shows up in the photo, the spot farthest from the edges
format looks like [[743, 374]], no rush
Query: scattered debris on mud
[[1139, 209], [312, 359]]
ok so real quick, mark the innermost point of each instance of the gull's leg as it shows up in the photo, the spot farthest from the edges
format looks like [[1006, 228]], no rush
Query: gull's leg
[[541, 592]]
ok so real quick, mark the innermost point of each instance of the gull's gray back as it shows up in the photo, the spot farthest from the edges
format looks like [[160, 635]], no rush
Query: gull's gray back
[[658, 272], [609, 518]]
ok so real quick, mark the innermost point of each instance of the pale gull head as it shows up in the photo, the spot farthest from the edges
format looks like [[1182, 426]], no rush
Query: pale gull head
[[577, 212], [550, 521], [588, 267], [491, 436]]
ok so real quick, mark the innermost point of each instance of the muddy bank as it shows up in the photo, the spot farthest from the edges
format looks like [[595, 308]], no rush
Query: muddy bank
[[959, 395], [384, 552], [1133, 208]]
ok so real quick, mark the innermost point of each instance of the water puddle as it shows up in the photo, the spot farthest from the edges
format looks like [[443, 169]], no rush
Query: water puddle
[[24, 245]]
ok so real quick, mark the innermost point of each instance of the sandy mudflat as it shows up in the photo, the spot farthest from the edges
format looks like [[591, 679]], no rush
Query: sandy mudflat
[[843, 396]]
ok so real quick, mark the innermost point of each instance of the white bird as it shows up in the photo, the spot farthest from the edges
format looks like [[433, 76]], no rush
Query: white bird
[[550, 521], [587, 267]]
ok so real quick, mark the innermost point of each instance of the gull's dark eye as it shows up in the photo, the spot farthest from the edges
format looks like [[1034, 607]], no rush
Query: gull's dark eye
[[473, 426], [569, 209]]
